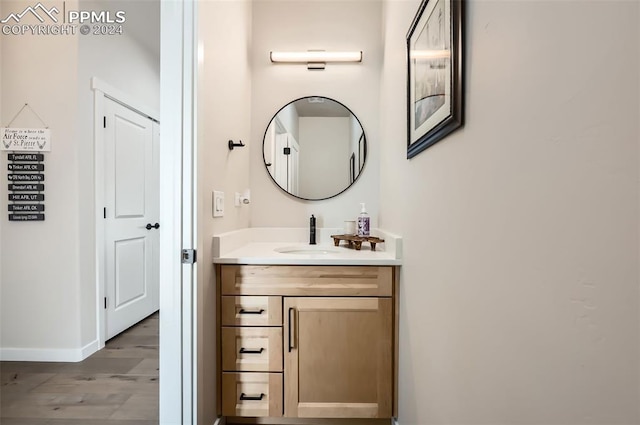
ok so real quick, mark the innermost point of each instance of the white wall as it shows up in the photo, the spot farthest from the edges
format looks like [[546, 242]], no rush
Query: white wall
[[40, 262], [224, 99], [2, 222], [304, 25], [519, 288], [324, 156], [48, 269]]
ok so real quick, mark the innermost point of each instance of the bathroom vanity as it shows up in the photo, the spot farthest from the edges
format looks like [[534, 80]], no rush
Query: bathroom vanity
[[307, 332]]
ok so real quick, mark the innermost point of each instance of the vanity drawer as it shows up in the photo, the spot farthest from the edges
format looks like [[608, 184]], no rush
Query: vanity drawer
[[252, 349], [307, 280], [251, 311], [251, 394]]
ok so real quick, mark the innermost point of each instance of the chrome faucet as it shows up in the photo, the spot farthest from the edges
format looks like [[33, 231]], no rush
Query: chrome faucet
[[312, 230]]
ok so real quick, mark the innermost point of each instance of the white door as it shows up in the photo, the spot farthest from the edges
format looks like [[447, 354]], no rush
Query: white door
[[285, 164], [131, 217]]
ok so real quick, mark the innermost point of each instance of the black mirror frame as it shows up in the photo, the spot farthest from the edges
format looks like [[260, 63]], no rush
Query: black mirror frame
[[351, 183]]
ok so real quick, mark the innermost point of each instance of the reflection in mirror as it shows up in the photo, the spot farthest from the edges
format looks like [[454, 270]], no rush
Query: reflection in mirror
[[314, 148]]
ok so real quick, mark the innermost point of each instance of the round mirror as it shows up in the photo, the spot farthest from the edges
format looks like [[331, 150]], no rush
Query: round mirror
[[314, 148]]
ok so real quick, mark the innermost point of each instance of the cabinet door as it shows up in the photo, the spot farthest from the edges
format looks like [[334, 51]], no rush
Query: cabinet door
[[338, 357]]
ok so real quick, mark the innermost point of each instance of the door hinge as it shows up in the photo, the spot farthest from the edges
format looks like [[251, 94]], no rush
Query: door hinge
[[286, 151], [189, 256], [104, 121], [105, 212], [105, 303]]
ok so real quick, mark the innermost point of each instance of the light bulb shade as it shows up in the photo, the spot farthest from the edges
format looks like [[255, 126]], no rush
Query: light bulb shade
[[315, 57]]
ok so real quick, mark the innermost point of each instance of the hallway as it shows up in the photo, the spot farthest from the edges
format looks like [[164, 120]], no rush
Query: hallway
[[118, 385]]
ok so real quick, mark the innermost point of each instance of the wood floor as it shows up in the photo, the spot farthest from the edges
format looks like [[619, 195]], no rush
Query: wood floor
[[116, 386]]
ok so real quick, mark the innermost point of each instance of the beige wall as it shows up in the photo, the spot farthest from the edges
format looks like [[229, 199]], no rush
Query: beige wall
[[519, 296], [224, 101], [303, 25], [324, 155]]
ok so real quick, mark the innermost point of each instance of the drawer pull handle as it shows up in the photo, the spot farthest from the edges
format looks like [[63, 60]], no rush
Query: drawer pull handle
[[290, 328], [243, 396], [243, 311], [245, 351]]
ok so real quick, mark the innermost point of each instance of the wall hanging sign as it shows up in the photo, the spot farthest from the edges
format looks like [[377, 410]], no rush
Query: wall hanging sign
[[26, 192], [25, 139], [435, 73], [25, 167]]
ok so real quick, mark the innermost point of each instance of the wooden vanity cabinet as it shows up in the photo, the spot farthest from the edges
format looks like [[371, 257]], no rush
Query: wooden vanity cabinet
[[336, 329]]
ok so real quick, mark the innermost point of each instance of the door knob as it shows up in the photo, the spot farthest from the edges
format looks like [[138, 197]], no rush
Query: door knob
[[150, 226]]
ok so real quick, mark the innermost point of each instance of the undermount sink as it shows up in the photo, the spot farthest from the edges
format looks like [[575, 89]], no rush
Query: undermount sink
[[306, 250]]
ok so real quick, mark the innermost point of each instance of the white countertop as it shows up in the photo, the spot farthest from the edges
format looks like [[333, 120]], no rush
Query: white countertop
[[261, 245]]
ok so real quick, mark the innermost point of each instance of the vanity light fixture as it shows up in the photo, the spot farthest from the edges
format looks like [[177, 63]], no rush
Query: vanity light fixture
[[315, 59]]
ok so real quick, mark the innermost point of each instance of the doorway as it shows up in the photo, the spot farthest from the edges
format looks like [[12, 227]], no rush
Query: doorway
[[127, 197]]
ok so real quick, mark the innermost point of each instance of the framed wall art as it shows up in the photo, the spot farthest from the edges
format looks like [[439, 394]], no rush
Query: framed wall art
[[435, 73]]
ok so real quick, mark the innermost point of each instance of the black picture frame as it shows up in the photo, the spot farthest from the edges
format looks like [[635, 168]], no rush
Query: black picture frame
[[435, 73]]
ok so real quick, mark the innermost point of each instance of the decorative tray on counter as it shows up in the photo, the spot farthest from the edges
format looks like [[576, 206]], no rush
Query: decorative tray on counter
[[356, 241]]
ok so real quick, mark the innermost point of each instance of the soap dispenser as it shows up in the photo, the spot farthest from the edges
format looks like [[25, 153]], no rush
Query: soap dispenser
[[363, 221]]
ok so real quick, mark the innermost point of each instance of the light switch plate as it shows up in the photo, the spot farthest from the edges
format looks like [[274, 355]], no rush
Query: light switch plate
[[218, 203]]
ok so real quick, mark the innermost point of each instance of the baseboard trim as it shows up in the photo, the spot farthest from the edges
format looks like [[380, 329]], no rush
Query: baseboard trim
[[49, 354], [90, 348]]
